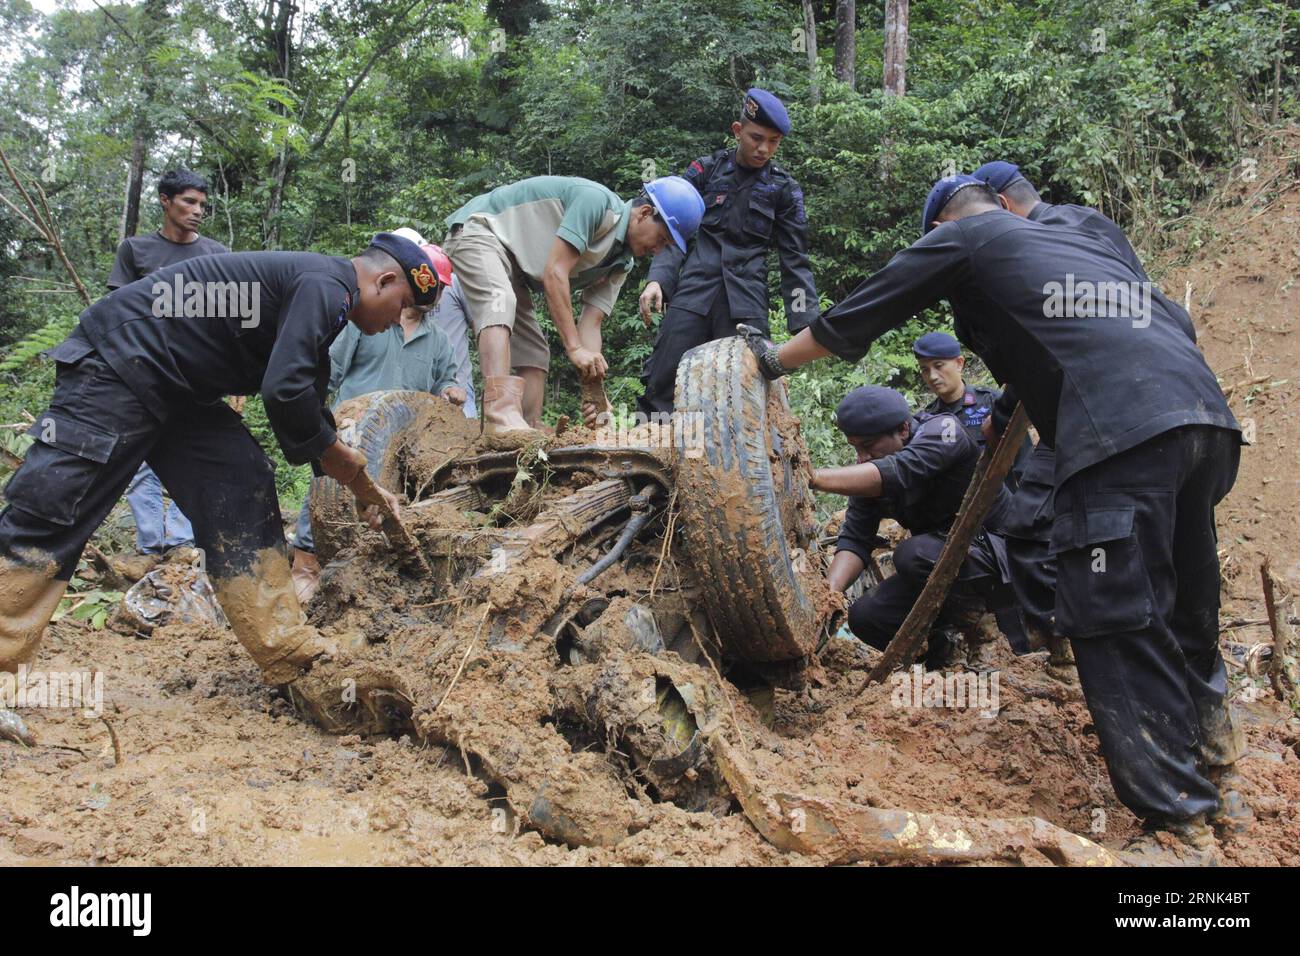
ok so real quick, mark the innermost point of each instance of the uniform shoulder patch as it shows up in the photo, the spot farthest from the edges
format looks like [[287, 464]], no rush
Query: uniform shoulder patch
[[796, 197]]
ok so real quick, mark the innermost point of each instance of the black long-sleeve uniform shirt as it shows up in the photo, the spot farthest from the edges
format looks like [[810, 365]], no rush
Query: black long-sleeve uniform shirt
[[746, 213], [1093, 386], [233, 324], [922, 486]]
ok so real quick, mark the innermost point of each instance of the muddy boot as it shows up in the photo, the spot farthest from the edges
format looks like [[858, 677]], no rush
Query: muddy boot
[[1234, 815], [267, 619], [344, 697], [983, 643], [306, 574], [945, 651], [503, 406], [27, 599], [135, 566], [1060, 660], [966, 613], [1184, 843]]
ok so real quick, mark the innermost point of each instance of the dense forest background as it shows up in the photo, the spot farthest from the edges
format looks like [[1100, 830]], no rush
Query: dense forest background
[[319, 123]]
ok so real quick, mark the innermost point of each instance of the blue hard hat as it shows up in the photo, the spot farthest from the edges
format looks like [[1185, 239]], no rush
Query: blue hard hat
[[999, 174], [941, 193], [679, 205]]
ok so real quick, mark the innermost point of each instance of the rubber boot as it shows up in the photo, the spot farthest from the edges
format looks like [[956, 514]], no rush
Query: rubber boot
[[503, 405], [306, 574], [1234, 815], [1060, 660], [1182, 843], [968, 614], [267, 619], [27, 599]]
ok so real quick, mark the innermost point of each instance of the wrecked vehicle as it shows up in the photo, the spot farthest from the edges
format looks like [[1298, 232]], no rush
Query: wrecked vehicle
[[587, 617]]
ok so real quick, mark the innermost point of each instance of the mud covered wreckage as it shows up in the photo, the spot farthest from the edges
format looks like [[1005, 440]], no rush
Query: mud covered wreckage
[[595, 622]]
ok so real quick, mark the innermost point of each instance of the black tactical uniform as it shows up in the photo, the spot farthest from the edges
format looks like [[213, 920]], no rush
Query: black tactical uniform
[[142, 378], [1145, 447], [971, 409], [922, 489], [1029, 522], [722, 280]]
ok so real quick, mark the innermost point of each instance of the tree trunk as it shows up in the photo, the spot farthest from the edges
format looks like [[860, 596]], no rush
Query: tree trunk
[[134, 185], [846, 18], [896, 47], [153, 26], [810, 48], [279, 39]]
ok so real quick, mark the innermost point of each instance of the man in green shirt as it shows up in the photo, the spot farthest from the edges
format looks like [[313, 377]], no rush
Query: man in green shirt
[[555, 235]]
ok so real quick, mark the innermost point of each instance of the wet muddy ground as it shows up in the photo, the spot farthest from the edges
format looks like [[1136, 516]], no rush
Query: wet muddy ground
[[522, 745]]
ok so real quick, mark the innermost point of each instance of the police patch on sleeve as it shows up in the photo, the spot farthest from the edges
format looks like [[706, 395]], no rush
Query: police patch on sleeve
[[800, 214]]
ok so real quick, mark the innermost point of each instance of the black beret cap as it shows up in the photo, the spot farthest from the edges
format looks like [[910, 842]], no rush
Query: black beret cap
[[871, 410], [416, 266]]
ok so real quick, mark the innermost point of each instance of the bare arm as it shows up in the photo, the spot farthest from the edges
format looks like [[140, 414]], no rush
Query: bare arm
[[844, 570], [589, 328], [559, 302], [860, 481]]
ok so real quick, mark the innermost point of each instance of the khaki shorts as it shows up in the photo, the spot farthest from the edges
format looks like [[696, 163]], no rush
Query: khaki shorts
[[495, 293]]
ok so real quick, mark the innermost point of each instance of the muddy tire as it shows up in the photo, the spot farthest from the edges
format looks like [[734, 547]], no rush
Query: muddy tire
[[739, 497], [380, 421]]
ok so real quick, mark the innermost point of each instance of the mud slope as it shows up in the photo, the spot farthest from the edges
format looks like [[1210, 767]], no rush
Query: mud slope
[[215, 768]]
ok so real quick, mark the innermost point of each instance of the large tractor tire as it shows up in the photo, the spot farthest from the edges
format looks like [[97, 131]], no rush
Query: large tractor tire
[[379, 420], [746, 510]]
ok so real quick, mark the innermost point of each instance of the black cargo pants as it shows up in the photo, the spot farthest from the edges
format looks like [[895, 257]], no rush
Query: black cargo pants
[[90, 442], [1137, 592], [679, 332], [876, 617]]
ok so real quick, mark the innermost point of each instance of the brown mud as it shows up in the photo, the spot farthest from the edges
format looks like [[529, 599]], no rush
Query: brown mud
[[552, 722]]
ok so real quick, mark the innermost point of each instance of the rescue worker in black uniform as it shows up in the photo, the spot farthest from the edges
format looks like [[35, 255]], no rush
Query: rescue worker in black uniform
[[1029, 519], [142, 377], [939, 356], [915, 470], [750, 206], [1145, 447], [941, 361]]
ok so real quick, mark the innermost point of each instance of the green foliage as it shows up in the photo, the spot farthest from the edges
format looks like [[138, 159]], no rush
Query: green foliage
[[1137, 108], [82, 604], [28, 348]]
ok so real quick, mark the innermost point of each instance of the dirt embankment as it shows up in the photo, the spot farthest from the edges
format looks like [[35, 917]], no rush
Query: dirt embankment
[[216, 768]]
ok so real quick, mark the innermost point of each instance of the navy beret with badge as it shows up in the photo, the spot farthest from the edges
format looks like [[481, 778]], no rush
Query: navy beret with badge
[[763, 108], [871, 410], [417, 267]]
